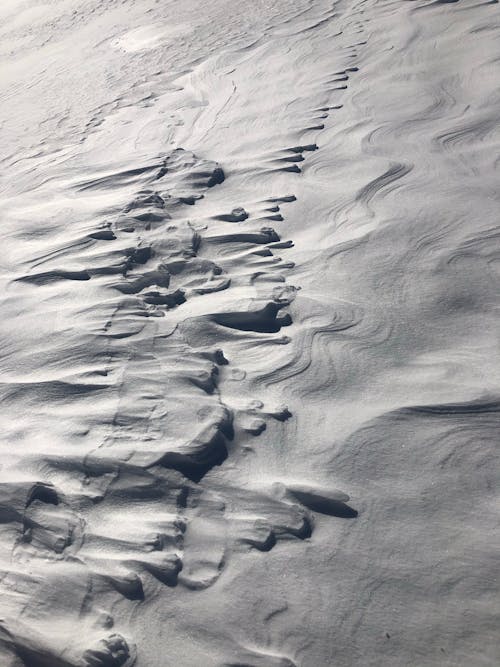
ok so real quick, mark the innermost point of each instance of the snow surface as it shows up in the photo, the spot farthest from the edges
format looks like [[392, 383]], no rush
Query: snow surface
[[249, 364]]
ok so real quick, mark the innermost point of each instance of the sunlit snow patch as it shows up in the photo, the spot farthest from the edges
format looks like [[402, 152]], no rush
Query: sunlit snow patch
[[147, 37]]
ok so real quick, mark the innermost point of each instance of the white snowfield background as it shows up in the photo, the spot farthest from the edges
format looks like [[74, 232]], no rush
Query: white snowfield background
[[249, 376]]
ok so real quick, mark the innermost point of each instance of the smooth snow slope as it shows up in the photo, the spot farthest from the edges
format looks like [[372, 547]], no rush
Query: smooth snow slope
[[250, 390]]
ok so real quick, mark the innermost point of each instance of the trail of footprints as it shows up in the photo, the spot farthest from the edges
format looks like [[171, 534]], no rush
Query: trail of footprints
[[135, 513]]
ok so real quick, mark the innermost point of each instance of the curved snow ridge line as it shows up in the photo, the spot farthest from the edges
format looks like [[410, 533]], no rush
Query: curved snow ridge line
[[466, 134], [343, 319], [478, 406], [384, 183], [485, 244]]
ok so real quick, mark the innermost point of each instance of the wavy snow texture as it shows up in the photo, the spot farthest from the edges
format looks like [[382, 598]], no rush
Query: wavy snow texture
[[250, 277]]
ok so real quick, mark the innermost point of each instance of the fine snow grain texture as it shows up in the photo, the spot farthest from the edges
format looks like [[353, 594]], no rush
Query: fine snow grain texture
[[249, 392]]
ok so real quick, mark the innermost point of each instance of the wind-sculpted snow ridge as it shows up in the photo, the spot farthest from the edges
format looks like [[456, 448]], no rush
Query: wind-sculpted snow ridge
[[248, 389], [127, 514]]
